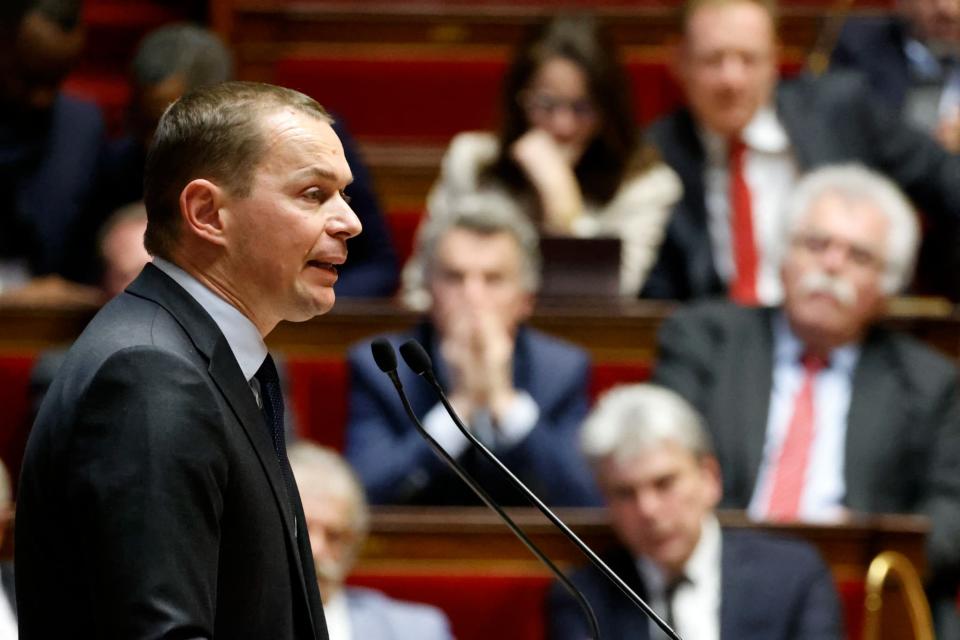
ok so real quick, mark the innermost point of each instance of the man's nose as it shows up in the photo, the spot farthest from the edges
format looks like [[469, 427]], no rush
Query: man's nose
[[345, 222], [733, 69], [647, 504], [474, 290]]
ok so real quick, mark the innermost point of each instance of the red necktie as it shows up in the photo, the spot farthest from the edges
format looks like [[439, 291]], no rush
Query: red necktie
[[743, 289], [791, 469]]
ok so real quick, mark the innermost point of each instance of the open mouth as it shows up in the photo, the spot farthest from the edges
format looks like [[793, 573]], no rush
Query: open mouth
[[327, 266]]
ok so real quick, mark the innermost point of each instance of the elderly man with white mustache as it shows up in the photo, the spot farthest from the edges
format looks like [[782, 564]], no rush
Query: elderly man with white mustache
[[817, 413]]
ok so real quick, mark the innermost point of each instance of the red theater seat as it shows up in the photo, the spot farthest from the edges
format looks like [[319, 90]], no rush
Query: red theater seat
[[15, 400], [609, 374], [403, 230], [318, 390], [400, 97], [480, 605]]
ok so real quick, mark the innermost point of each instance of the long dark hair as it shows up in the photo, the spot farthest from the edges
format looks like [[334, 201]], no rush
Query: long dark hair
[[613, 151]]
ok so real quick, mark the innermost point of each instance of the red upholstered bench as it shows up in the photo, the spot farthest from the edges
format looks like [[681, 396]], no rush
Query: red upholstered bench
[[605, 375], [15, 400], [403, 230], [480, 606], [511, 606], [319, 388], [400, 97]]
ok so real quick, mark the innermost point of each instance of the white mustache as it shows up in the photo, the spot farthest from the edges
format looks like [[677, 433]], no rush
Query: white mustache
[[837, 288]]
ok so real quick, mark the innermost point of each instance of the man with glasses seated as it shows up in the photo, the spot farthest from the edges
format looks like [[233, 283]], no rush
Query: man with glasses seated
[[816, 411]]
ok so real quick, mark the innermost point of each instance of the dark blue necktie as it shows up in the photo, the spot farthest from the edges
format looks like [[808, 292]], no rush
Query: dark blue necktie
[[272, 408], [272, 405]]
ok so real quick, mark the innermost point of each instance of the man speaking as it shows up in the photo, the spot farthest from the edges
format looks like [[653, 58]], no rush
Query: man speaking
[[156, 498]]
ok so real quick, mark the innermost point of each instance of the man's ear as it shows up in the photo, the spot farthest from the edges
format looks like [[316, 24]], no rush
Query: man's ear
[[200, 207], [712, 479]]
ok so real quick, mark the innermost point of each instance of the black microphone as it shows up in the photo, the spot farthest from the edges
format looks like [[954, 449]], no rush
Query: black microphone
[[386, 359], [419, 362]]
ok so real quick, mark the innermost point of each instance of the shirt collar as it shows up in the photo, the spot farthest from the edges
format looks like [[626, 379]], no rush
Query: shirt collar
[[788, 349], [764, 133], [702, 564], [242, 335]]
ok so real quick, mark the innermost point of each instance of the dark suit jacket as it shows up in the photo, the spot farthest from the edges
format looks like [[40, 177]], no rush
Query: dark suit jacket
[[397, 466], [903, 428], [770, 589], [832, 119], [874, 46], [151, 500]]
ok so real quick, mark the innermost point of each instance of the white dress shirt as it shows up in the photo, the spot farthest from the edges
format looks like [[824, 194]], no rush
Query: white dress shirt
[[771, 172], [8, 621], [337, 615], [696, 602], [824, 487]]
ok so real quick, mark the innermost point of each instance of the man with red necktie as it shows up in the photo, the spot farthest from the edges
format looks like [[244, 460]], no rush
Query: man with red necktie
[[817, 412], [745, 137]]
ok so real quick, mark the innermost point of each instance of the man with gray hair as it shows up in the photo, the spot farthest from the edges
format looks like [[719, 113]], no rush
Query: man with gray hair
[[816, 411], [521, 392], [338, 520], [655, 466]]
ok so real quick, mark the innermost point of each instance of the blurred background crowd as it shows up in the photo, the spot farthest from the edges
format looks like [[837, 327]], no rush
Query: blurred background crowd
[[784, 178]]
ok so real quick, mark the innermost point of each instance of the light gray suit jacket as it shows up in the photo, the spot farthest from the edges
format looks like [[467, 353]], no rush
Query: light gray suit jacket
[[375, 616]]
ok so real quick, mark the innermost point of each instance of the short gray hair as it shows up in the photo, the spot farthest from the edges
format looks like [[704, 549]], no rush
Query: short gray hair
[[320, 469], [854, 182], [482, 217], [631, 419], [194, 53]]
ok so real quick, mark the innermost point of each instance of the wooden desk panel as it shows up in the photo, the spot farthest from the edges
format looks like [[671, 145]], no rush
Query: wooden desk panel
[[458, 538], [612, 330]]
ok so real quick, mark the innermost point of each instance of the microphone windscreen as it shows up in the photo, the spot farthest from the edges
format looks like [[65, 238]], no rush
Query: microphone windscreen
[[416, 357], [384, 355]]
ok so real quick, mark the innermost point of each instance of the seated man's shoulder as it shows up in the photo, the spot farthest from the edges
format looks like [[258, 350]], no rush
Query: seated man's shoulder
[[556, 349], [779, 555], [916, 360], [415, 619], [718, 313]]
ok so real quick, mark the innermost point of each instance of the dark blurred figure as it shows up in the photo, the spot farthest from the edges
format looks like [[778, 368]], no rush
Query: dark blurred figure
[[179, 58], [169, 62], [911, 59], [49, 142]]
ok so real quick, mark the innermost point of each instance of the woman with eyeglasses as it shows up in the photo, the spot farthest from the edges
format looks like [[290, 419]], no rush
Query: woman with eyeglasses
[[569, 153]]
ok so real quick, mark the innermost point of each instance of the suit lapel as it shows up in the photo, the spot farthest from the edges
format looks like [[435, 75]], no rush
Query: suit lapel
[[871, 440], [153, 284], [689, 160], [746, 402]]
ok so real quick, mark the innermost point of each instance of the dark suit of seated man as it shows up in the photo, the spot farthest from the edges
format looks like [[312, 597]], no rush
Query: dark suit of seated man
[[655, 466], [815, 410], [522, 392]]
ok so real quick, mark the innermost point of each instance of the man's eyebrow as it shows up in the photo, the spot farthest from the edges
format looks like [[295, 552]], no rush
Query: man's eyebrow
[[322, 173]]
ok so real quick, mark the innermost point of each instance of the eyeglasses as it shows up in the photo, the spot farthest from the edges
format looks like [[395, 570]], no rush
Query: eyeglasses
[[543, 104], [858, 255]]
